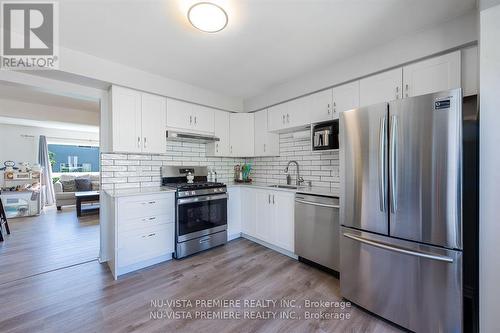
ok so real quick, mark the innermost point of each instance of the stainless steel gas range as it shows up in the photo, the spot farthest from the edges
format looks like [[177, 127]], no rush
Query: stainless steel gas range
[[201, 209]]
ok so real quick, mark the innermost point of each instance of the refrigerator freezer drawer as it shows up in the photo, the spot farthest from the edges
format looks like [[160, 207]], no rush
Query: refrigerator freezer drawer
[[415, 286]]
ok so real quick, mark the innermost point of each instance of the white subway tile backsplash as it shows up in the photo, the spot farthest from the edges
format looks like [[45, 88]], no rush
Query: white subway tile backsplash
[[143, 170], [321, 168]]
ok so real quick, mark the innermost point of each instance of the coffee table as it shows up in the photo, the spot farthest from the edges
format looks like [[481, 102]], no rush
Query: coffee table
[[86, 197]]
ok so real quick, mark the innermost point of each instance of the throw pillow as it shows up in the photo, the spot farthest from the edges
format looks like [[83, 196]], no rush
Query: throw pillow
[[83, 184], [68, 185]]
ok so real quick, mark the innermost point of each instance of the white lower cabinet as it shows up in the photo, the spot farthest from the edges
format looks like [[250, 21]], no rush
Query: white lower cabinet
[[143, 229], [233, 212], [248, 210], [269, 216]]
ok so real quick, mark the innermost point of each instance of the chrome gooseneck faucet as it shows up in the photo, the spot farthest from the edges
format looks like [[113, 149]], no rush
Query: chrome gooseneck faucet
[[299, 180]]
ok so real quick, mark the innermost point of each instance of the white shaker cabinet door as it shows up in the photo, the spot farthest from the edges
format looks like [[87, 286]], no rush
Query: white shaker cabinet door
[[345, 97], [248, 211], [383, 87], [203, 119], [276, 117], [264, 219], [432, 75], [154, 121], [221, 130], [284, 207], [320, 106], [241, 129], [266, 143], [126, 119], [179, 114]]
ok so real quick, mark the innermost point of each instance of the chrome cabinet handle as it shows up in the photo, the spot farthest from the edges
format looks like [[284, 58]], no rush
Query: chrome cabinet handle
[[273, 199], [406, 88], [399, 249], [150, 235], [138, 142], [217, 147], [328, 108], [381, 165], [149, 202], [190, 120], [394, 165], [145, 143], [397, 92], [288, 118], [316, 204], [269, 198], [334, 107], [149, 219], [195, 120], [283, 118], [264, 147]]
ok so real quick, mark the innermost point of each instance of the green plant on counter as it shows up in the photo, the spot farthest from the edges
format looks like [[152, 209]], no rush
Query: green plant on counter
[[55, 179]]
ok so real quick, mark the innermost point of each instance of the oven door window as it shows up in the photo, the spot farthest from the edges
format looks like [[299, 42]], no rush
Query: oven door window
[[202, 215]]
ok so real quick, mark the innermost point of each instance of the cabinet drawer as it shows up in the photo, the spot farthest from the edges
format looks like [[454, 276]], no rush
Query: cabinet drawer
[[147, 243], [126, 225], [145, 206]]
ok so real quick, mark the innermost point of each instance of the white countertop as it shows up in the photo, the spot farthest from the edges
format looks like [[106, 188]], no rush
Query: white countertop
[[326, 191], [125, 192]]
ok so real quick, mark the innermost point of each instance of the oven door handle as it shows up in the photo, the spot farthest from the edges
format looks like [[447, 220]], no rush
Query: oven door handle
[[201, 199]]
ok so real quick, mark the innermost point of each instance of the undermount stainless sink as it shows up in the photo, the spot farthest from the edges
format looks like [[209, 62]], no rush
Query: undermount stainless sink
[[292, 187]]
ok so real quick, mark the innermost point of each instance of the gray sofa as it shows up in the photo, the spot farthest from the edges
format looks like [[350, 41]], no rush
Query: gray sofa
[[67, 198]]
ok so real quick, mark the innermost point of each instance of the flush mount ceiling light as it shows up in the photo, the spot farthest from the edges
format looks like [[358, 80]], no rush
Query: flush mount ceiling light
[[207, 17]]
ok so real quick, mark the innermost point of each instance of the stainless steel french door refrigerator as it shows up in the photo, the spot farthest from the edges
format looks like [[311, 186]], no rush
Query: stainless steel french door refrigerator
[[401, 210]]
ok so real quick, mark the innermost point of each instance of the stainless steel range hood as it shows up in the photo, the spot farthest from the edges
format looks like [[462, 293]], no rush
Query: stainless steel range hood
[[191, 137]]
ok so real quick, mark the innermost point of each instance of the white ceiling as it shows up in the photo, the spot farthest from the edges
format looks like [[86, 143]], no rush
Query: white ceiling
[[28, 95], [267, 42]]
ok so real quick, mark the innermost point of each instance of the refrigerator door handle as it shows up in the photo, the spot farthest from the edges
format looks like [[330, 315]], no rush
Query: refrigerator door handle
[[394, 165], [399, 249], [381, 166]]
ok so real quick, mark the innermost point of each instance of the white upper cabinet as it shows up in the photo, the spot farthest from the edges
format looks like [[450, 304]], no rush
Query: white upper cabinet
[[266, 143], [138, 121], [126, 119], [290, 115], [203, 119], [383, 87], [320, 106], [276, 117], [470, 68], [297, 114], [432, 75], [345, 97], [179, 114], [241, 138], [221, 130], [188, 116], [154, 118]]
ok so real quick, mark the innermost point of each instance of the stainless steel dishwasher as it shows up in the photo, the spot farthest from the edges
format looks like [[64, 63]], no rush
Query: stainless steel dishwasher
[[317, 230]]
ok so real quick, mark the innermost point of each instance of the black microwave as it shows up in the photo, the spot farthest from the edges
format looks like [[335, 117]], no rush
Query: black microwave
[[325, 135]]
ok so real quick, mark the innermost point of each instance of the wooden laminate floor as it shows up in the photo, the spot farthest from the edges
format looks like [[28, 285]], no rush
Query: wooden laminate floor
[[52, 240], [85, 298]]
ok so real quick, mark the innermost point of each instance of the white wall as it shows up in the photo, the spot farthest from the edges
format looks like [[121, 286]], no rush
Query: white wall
[[25, 149], [489, 188], [17, 109], [79, 63], [449, 35]]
